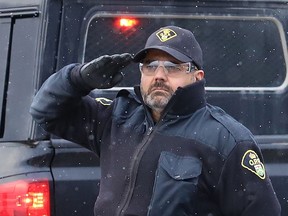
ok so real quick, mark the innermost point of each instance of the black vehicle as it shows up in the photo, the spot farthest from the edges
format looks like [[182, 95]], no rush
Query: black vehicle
[[245, 62]]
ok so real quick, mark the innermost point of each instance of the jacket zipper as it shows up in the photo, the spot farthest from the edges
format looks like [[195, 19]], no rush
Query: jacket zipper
[[137, 156], [133, 172]]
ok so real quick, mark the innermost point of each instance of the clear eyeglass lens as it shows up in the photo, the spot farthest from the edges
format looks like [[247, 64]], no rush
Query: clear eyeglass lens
[[149, 68]]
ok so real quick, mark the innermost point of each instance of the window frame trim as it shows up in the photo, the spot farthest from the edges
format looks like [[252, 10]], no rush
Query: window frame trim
[[7, 22]]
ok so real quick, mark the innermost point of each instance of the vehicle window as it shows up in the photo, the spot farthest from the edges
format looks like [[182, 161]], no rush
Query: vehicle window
[[244, 50], [5, 25]]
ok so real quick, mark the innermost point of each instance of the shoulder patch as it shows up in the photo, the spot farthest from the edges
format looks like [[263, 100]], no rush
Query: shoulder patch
[[104, 101], [251, 162]]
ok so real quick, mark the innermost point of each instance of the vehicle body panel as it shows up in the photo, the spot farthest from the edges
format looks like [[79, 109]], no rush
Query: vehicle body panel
[[38, 37]]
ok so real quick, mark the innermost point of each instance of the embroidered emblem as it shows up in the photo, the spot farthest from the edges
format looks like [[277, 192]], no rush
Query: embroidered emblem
[[251, 161], [166, 34], [104, 101]]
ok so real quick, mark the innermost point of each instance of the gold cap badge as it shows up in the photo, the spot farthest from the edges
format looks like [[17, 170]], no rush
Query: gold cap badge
[[166, 34]]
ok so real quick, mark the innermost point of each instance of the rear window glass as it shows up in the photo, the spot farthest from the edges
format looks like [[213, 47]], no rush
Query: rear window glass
[[238, 52]]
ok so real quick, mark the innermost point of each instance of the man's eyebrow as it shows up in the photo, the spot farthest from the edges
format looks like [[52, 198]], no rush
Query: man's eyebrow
[[148, 60]]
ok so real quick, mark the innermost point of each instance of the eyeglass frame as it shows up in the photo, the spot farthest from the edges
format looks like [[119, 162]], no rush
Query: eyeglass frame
[[191, 67]]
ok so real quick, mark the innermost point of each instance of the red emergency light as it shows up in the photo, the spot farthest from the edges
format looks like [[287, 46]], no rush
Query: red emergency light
[[125, 22]]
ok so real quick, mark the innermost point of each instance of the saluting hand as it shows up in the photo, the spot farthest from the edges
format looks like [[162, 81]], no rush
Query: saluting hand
[[105, 71]]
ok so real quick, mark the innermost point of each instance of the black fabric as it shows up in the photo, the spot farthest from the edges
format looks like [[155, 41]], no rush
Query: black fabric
[[175, 186]]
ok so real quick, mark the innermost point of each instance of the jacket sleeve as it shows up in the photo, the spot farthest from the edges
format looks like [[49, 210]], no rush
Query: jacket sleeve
[[244, 188], [65, 109]]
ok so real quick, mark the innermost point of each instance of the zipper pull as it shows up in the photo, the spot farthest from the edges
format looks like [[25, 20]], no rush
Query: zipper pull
[[150, 129]]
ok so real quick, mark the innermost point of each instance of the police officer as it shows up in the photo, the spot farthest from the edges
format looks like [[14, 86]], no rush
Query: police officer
[[163, 150]]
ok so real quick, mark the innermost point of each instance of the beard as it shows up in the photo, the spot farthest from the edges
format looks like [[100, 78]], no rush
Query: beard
[[157, 96]]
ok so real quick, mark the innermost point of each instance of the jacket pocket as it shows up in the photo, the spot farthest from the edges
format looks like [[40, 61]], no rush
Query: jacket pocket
[[175, 185]]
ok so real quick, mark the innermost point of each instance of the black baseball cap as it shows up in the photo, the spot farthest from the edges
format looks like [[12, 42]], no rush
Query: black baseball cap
[[177, 42]]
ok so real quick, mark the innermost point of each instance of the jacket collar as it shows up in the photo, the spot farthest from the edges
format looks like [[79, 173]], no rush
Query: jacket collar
[[186, 100]]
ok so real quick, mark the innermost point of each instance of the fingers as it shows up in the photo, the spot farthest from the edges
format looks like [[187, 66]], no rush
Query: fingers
[[95, 64], [101, 61], [105, 71], [117, 79], [122, 59], [118, 62]]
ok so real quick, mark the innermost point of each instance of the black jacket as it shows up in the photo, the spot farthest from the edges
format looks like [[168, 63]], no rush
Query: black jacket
[[196, 160]]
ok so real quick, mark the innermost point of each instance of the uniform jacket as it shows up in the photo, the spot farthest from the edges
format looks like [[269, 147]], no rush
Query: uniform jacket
[[197, 160]]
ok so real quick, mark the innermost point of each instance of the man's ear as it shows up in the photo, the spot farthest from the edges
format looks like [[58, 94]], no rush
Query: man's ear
[[199, 75]]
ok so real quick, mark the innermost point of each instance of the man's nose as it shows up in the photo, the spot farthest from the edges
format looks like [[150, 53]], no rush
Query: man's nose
[[160, 73]]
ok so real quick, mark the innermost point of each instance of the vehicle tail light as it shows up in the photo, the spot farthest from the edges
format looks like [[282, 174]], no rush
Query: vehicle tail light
[[25, 198]]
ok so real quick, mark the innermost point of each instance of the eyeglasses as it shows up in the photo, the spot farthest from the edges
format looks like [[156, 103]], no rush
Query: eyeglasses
[[170, 68]]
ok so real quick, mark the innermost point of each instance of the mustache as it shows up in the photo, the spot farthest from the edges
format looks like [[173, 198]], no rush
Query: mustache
[[160, 85]]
